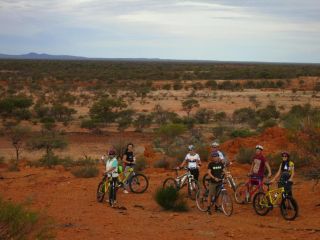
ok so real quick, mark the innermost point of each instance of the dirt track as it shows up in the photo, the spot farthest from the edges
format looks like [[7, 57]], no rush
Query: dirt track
[[71, 202]]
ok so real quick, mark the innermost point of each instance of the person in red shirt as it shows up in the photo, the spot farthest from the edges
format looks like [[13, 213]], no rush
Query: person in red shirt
[[259, 163]]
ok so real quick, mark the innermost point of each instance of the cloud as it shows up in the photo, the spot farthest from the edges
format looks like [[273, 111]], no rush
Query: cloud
[[221, 29]]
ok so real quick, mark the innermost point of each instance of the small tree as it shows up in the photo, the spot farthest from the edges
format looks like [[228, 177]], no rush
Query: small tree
[[204, 115], [169, 132], [124, 119], [189, 104], [142, 121], [18, 135]]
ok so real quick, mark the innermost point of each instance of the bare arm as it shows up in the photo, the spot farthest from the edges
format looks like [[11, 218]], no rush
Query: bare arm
[[292, 175], [277, 175], [183, 163], [269, 169], [124, 159]]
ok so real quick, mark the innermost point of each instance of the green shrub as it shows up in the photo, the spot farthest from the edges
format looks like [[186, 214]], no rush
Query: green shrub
[[245, 155], [49, 160], [269, 123], [162, 163], [242, 133], [18, 223], [87, 171], [141, 163], [170, 199]]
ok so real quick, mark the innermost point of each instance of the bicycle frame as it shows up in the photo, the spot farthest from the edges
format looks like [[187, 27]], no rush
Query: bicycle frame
[[126, 177], [272, 196], [181, 180], [254, 188]]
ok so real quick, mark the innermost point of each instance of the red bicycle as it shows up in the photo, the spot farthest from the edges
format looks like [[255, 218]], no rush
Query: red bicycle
[[245, 191]]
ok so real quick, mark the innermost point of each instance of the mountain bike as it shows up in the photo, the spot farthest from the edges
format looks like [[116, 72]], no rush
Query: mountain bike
[[180, 181], [138, 182], [265, 202], [246, 190], [221, 197], [104, 187], [231, 182]]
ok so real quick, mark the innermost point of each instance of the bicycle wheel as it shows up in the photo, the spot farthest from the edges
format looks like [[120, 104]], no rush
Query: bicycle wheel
[[241, 193], [193, 188], [205, 181], [289, 208], [226, 203], [202, 200], [261, 204], [138, 183], [111, 194], [170, 182], [101, 191]]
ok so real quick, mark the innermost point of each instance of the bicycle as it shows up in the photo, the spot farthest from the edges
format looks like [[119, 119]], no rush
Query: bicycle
[[138, 182], [104, 187], [264, 202], [221, 195], [246, 190], [231, 182], [180, 181]]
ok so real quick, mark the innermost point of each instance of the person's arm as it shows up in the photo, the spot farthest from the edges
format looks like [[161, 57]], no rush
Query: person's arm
[[184, 161], [124, 159], [292, 174], [269, 169], [251, 168], [199, 160], [210, 175], [277, 175]]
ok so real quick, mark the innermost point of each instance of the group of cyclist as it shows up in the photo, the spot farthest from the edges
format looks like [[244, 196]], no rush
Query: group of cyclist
[[217, 169]]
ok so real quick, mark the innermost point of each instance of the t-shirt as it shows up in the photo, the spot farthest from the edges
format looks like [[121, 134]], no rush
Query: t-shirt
[[287, 166], [130, 158], [259, 163], [112, 163], [216, 169], [192, 160]]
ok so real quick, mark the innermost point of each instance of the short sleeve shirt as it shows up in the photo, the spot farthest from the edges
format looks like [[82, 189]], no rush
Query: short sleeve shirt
[[192, 160], [216, 169], [259, 163]]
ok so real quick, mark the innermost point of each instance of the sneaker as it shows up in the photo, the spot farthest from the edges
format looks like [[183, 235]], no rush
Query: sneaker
[[125, 191], [217, 209], [209, 211]]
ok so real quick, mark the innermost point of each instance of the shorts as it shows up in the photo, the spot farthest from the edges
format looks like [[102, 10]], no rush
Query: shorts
[[213, 188]]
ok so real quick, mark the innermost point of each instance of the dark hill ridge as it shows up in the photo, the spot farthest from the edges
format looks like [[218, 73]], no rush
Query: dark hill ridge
[[44, 56]]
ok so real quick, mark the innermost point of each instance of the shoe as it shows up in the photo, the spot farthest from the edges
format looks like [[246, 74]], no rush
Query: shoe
[[217, 209], [209, 211], [125, 191]]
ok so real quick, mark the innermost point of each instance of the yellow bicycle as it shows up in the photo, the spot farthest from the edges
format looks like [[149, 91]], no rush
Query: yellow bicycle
[[263, 202], [138, 183]]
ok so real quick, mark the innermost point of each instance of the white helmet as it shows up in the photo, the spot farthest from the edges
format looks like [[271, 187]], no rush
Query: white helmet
[[215, 144], [191, 147], [259, 147]]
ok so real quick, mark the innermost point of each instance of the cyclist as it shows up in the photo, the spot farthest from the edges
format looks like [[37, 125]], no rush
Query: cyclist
[[259, 163], [286, 173], [112, 172], [216, 171], [193, 161], [215, 148], [129, 160]]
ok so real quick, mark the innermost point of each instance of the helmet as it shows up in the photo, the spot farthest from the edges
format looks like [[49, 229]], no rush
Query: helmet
[[215, 144], [112, 152], [214, 154], [285, 154], [259, 147], [191, 147]]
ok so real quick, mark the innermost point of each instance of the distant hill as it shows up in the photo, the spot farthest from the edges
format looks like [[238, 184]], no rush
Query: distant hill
[[43, 56]]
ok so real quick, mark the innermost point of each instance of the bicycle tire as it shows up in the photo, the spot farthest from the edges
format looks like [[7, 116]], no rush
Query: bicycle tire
[[205, 181], [284, 208], [193, 188], [261, 204], [170, 182], [135, 180], [202, 201], [241, 193], [226, 203], [100, 191]]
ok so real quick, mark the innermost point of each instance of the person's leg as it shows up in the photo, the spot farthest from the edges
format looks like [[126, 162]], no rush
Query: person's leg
[[115, 181], [196, 174], [126, 176], [210, 188]]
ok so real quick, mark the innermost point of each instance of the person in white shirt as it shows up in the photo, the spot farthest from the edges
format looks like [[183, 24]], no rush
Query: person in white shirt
[[215, 148], [193, 162]]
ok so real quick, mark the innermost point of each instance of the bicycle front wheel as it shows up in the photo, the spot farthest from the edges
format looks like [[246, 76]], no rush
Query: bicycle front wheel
[[193, 188], [202, 200], [226, 203], [261, 204], [289, 208], [101, 191], [241, 193], [138, 183]]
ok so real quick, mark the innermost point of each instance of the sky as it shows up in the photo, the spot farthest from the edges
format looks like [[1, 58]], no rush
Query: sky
[[225, 30]]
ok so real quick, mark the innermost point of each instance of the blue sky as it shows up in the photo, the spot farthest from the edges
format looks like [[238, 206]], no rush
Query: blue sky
[[235, 30]]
